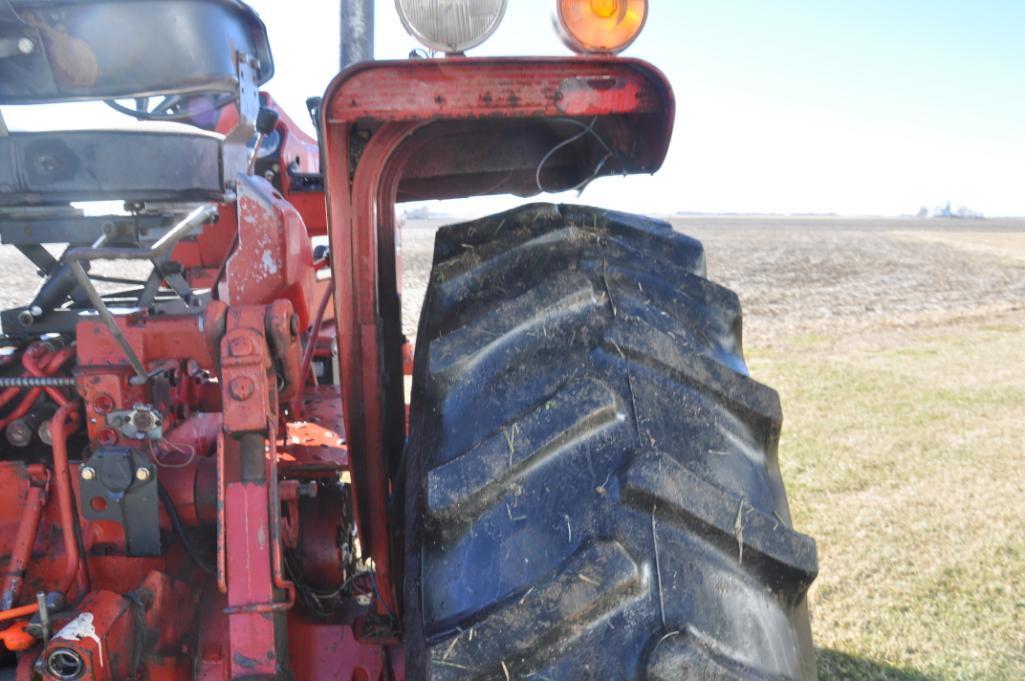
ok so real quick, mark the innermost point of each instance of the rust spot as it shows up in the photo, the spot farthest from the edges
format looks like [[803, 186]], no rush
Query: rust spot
[[603, 83], [73, 61], [243, 661]]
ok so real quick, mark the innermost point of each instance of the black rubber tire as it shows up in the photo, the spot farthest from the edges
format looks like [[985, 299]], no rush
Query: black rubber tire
[[591, 476]]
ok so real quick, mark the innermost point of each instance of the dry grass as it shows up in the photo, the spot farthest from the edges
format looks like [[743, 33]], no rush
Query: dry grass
[[903, 454], [1001, 245]]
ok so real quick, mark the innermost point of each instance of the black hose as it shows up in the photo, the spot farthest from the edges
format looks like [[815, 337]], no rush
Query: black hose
[[179, 529]]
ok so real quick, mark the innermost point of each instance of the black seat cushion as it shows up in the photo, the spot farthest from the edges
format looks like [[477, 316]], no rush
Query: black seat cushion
[[39, 168]]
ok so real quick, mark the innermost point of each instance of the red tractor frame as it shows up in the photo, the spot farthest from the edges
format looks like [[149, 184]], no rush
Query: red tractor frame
[[431, 121]]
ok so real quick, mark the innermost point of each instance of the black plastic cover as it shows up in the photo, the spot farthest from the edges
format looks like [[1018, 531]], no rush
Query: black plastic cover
[[61, 50]]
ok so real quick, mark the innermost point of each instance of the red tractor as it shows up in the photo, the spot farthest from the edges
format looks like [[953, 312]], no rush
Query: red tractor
[[212, 469]]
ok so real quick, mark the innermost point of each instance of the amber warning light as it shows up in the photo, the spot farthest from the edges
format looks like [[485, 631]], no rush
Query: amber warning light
[[601, 26]]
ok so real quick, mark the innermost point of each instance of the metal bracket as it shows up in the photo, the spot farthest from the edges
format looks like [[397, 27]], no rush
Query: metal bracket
[[120, 484], [236, 149], [141, 422], [75, 257], [23, 44], [82, 230]]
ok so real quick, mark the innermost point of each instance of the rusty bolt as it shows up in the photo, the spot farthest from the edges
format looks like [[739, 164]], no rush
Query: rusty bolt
[[19, 433], [88, 473], [241, 388], [240, 346], [44, 432], [142, 474], [144, 419]]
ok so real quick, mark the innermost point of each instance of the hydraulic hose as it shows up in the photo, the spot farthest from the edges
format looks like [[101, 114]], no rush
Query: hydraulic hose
[[62, 480], [179, 529]]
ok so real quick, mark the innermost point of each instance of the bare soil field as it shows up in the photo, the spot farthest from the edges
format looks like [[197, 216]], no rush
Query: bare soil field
[[806, 274], [855, 275]]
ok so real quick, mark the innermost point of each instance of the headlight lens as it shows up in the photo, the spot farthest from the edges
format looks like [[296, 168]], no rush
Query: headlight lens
[[601, 25], [451, 25]]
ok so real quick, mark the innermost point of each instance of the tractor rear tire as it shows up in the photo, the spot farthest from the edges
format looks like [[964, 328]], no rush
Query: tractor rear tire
[[591, 484]]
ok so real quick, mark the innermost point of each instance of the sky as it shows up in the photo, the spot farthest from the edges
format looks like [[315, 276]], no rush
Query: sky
[[875, 107]]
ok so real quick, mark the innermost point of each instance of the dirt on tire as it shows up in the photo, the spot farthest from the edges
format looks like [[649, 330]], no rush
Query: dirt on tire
[[591, 483]]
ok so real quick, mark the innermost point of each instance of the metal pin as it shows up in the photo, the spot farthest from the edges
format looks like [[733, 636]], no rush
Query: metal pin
[[44, 616]]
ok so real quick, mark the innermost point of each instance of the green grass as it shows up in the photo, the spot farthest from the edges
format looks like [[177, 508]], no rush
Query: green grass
[[904, 456]]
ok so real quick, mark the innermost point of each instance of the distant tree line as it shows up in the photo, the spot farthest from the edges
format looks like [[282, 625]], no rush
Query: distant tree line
[[961, 212]]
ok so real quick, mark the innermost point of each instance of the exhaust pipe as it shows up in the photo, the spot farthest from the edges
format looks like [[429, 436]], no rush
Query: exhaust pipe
[[357, 32]]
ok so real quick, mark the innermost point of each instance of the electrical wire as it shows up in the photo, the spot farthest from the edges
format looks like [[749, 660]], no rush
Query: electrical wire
[[585, 130], [179, 529], [156, 455], [325, 602]]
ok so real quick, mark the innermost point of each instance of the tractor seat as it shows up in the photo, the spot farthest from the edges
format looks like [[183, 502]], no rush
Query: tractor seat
[[53, 168]]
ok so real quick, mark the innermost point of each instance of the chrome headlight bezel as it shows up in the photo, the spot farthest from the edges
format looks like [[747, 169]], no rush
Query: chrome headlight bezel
[[435, 38]]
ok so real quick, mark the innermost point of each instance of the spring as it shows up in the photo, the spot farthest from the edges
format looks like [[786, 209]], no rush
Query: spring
[[36, 381]]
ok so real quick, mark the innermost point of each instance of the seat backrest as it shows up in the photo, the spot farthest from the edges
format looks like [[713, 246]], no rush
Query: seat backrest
[[65, 50]]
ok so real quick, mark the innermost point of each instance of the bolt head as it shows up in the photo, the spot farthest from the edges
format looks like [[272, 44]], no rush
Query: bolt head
[[88, 473], [44, 433], [241, 388], [103, 403], [142, 474], [26, 46], [241, 346], [144, 420], [108, 437]]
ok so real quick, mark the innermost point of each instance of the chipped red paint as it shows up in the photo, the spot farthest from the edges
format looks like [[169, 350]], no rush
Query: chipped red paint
[[100, 630], [273, 259], [315, 446]]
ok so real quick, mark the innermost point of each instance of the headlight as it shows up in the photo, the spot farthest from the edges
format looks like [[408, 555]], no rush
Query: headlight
[[601, 25], [451, 25]]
